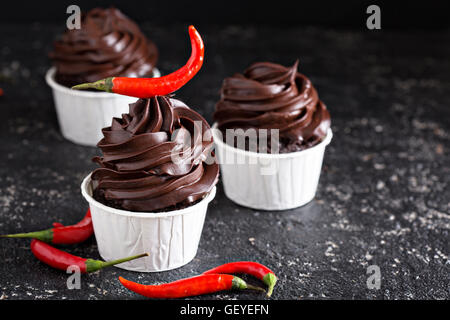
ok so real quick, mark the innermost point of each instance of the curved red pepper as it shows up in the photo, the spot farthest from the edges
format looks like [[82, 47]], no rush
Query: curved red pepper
[[252, 268], [61, 234], [76, 233], [149, 87], [188, 287], [61, 260]]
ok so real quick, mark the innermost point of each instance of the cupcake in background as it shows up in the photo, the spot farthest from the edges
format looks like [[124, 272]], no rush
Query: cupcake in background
[[155, 179], [286, 172], [107, 44]]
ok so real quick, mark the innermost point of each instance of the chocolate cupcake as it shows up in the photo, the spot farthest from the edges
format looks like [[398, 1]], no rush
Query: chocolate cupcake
[[138, 171], [107, 44], [271, 96], [157, 175], [290, 126]]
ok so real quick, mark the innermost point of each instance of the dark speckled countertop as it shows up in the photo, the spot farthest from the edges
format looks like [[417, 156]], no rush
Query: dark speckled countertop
[[384, 193]]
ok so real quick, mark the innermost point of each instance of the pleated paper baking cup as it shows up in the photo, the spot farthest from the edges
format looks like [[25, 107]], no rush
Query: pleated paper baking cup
[[270, 181], [83, 114], [170, 238]]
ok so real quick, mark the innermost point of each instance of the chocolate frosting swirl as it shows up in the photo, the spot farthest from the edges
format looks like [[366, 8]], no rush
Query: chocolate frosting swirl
[[271, 96], [107, 44], [137, 171]]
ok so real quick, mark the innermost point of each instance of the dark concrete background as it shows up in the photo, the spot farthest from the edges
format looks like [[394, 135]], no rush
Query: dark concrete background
[[384, 194], [399, 14]]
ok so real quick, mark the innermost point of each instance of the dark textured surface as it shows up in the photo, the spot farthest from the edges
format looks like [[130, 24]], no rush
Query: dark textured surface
[[384, 194]]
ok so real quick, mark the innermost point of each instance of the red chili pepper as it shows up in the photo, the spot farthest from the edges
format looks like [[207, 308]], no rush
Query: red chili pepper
[[252, 268], [61, 234], [61, 260], [188, 287], [149, 87], [1, 92]]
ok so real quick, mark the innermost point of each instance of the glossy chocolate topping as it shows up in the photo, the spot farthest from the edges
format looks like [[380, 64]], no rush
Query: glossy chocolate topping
[[108, 44], [271, 96], [138, 171]]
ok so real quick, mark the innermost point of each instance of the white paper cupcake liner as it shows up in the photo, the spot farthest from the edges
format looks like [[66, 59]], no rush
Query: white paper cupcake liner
[[170, 238], [83, 114], [270, 181]]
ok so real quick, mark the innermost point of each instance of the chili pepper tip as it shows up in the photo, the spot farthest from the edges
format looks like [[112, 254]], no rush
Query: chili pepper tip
[[44, 235], [193, 31], [94, 265], [255, 288]]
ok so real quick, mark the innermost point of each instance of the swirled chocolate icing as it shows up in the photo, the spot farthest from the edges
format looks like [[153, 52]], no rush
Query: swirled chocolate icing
[[138, 170], [271, 96], [107, 44]]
